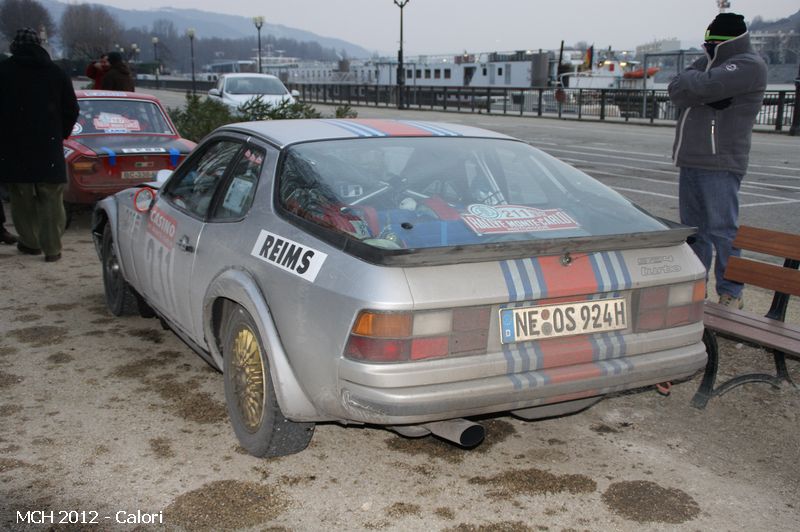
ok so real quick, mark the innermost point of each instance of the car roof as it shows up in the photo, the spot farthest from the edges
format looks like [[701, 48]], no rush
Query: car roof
[[247, 75], [285, 132], [84, 94]]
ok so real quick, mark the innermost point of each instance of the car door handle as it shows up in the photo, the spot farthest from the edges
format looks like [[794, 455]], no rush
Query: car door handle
[[184, 244]]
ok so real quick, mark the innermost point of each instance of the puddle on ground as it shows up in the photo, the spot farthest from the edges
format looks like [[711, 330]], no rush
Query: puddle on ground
[[26, 318], [148, 335], [647, 502], [7, 350], [399, 510], [162, 448], [534, 481], [235, 503], [59, 307], [40, 336], [7, 379], [186, 402], [60, 358], [502, 526], [9, 410]]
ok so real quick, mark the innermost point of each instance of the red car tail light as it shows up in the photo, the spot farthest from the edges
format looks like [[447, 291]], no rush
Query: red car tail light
[[403, 336], [662, 307]]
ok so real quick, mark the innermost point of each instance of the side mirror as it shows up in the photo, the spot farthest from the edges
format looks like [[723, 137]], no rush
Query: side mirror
[[295, 93], [214, 92], [143, 199], [162, 176]]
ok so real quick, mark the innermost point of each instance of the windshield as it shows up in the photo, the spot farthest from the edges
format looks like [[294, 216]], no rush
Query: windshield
[[120, 116], [397, 193], [254, 85]]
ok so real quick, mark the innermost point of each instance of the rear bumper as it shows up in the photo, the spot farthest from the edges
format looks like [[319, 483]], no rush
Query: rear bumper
[[381, 401]]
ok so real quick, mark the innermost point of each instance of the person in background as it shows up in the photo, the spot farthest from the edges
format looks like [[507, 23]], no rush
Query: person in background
[[5, 236], [96, 70], [719, 96], [37, 97], [119, 76]]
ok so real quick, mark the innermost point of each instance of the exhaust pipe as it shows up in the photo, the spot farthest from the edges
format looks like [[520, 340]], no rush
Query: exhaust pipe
[[459, 431]]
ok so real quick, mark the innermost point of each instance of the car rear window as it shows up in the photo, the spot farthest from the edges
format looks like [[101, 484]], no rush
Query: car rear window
[[120, 116], [407, 192]]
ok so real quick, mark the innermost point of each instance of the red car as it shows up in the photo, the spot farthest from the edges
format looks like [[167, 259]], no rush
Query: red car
[[119, 140]]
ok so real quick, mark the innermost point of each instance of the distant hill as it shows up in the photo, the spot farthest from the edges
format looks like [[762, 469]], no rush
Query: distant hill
[[212, 25], [787, 24]]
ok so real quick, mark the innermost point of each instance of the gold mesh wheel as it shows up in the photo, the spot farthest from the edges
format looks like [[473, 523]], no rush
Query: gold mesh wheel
[[248, 378]]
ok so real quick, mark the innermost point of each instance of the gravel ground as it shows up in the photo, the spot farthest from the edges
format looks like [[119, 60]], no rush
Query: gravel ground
[[110, 417]]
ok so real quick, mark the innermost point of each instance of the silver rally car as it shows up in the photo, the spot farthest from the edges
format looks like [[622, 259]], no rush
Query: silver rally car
[[400, 273]]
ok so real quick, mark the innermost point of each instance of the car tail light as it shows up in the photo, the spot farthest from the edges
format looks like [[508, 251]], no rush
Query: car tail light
[[662, 307], [83, 166], [402, 336]]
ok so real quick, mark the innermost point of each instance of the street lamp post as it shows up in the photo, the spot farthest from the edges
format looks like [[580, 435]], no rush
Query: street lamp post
[[134, 51], [190, 34], [401, 73], [259, 21], [155, 57]]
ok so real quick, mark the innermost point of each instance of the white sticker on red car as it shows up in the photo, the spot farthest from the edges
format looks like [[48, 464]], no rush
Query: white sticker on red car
[[77, 128], [504, 219], [289, 255], [111, 122], [143, 150]]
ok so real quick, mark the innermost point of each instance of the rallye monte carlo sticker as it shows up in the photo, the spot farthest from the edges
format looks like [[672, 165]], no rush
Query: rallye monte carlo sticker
[[162, 226], [143, 150], [289, 255], [111, 122], [504, 219]]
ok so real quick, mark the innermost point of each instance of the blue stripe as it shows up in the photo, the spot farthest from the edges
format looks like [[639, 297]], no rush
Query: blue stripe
[[539, 278], [612, 274], [174, 156], [359, 129], [510, 367], [436, 130], [624, 267], [598, 276], [523, 275], [512, 292]]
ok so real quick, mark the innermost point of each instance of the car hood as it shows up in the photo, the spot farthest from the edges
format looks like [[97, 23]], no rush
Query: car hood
[[134, 144]]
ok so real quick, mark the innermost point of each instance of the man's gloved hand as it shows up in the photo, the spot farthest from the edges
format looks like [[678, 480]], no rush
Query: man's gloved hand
[[721, 104]]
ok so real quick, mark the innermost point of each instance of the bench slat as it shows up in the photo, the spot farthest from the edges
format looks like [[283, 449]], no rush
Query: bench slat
[[787, 344], [776, 243], [749, 319], [770, 276]]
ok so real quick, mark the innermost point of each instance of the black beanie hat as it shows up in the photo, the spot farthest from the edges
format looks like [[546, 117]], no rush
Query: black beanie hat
[[726, 26]]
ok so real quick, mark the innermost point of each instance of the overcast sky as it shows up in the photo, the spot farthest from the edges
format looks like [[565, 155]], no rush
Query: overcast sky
[[451, 26]]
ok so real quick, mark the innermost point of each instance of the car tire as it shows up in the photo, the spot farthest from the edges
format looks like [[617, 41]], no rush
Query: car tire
[[253, 409], [120, 298]]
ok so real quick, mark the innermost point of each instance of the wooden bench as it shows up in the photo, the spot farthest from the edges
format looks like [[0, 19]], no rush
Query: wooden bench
[[771, 331]]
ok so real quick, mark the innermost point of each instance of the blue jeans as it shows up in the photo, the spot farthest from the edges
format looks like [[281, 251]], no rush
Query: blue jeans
[[709, 200]]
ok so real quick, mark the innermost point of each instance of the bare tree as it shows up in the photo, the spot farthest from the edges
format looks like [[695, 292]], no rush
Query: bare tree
[[88, 31], [15, 14]]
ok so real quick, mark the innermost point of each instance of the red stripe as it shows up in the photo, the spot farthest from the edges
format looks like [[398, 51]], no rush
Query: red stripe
[[573, 373], [576, 278], [566, 351], [395, 129]]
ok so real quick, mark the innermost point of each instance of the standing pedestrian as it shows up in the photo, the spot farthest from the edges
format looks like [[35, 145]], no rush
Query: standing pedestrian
[[719, 95], [119, 76], [96, 70], [38, 109]]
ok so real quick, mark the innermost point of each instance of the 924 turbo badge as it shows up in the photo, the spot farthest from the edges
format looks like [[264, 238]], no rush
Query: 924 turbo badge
[[289, 255]]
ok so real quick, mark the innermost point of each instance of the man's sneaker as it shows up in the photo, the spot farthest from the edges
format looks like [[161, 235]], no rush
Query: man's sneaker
[[727, 300]]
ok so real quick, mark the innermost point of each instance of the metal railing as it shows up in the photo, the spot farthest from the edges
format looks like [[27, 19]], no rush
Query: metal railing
[[636, 105]]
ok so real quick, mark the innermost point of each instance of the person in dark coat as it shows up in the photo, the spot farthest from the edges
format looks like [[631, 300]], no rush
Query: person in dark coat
[[5, 236], [119, 76], [96, 71], [37, 109]]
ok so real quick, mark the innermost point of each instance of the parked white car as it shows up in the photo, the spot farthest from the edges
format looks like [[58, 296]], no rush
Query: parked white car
[[235, 89]]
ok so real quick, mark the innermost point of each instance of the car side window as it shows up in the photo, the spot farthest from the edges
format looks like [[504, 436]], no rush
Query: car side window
[[194, 190], [237, 196]]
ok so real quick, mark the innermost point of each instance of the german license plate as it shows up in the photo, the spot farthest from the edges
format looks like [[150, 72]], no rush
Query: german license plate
[[567, 319], [139, 175]]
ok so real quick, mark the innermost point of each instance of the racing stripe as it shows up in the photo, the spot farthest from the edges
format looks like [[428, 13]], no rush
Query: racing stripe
[[576, 278], [359, 129], [396, 128], [433, 129], [527, 290]]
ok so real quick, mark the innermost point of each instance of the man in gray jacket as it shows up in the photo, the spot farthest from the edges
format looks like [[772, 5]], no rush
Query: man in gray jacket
[[719, 96]]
